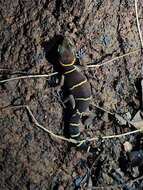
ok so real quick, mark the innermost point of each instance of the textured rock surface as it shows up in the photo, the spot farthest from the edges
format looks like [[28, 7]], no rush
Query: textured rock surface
[[104, 29]]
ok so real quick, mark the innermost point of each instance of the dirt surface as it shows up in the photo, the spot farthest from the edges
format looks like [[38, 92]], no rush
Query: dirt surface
[[29, 158]]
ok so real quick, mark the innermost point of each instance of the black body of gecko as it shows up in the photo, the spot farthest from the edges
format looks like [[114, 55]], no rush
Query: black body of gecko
[[77, 86]]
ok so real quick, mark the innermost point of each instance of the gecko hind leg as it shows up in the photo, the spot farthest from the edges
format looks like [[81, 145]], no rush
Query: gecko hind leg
[[71, 100], [88, 123]]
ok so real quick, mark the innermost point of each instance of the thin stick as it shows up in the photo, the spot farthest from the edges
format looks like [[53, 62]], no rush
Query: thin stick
[[29, 76], [117, 136], [45, 129], [103, 109], [55, 73], [72, 140], [114, 59], [138, 24]]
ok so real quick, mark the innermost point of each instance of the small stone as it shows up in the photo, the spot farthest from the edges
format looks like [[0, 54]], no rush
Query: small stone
[[127, 146]]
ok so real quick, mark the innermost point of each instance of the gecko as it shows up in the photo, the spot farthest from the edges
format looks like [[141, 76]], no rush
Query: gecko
[[79, 90]]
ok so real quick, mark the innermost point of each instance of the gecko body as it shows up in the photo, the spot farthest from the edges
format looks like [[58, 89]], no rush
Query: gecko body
[[77, 85]]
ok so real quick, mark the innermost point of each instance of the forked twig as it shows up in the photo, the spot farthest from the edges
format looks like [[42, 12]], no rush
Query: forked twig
[[45, 129], [38, 124], [71, 140]]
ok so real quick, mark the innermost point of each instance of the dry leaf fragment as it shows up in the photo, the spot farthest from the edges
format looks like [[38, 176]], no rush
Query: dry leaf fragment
[[121, 120], [127, 146], [137, 121]]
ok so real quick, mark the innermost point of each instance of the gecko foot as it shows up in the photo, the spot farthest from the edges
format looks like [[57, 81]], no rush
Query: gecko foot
[[88, 123], [83, 146]]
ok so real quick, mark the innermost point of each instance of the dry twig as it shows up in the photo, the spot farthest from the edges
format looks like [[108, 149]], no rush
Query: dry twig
[[138, 24], [55, 73], [29, 76], [72, 140], [114, 59]]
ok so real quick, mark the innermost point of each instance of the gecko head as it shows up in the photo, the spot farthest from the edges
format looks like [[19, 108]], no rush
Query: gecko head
[[66, 52]]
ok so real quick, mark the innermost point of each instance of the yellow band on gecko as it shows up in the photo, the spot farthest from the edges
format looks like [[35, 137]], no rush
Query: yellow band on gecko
[[75, 135], [79, 84], [70, 64], [70, 71], [74, 124]]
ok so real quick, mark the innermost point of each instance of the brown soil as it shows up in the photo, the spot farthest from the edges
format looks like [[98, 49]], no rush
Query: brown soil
[[29, 158]]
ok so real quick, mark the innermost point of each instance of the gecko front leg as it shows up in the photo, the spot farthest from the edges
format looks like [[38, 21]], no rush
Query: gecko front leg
[[70, 99]]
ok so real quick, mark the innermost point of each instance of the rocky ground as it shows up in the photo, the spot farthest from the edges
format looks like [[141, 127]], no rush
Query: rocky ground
[[29, 158]]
